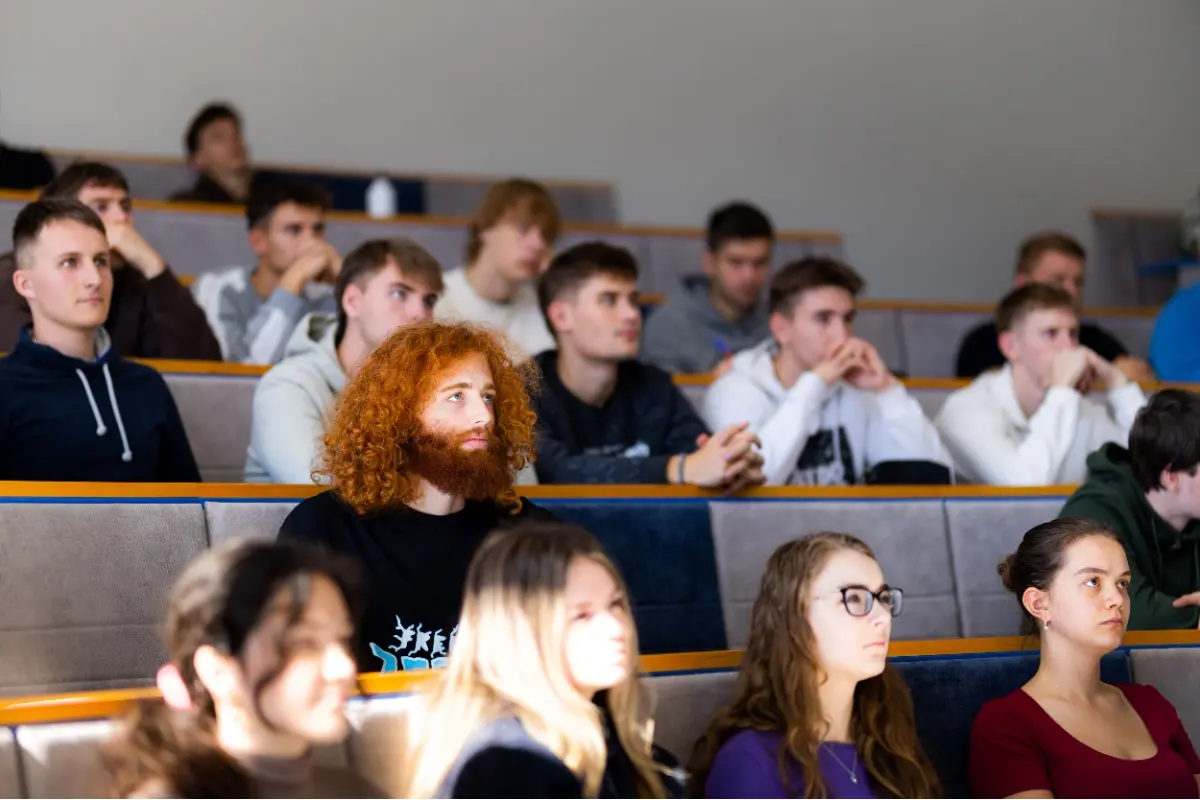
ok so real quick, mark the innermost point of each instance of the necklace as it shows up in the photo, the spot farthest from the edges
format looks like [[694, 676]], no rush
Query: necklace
[[852, 772]]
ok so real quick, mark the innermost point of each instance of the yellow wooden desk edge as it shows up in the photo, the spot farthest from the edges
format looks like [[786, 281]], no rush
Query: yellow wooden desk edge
[[272, 491], [597, 228], [99, 704]]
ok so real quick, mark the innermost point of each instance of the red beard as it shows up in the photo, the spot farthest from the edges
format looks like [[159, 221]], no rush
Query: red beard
[[471, 474]]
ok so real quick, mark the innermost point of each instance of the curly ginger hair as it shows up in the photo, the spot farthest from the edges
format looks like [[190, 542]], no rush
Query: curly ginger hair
[[379, 414]]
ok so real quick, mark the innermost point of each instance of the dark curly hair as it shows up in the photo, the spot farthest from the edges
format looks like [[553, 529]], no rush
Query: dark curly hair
[[379, 414]]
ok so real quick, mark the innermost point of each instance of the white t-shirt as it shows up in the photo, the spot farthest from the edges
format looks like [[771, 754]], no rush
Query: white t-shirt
[[521, 319], [992, 441]]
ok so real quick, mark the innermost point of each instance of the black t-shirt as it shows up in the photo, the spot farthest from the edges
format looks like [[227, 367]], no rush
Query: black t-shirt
[[980, 348], [414, 566]]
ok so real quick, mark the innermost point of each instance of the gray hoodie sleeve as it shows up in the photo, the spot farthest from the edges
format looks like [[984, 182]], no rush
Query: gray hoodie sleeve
[[287, 428], [674, 342]]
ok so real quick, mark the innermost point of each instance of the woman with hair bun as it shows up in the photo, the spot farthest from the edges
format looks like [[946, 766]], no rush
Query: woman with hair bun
[[1066, 733]]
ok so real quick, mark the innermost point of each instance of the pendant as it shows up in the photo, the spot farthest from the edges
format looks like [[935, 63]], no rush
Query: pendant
[[854, 779]]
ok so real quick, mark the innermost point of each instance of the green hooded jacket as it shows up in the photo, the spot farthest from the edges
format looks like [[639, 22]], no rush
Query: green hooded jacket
[[1165, 562]]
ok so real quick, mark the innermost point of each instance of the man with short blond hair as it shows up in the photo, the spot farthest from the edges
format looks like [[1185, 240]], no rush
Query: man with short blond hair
[[1033, 422], [509, 244]]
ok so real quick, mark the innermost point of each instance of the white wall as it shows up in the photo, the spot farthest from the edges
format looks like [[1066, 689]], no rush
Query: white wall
[[933, 133]]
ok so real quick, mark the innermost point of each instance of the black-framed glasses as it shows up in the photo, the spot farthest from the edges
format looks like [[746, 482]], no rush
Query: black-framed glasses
[[859, 600]]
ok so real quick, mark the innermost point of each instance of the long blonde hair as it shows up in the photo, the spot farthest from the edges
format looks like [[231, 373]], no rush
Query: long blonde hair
[[509, 660]]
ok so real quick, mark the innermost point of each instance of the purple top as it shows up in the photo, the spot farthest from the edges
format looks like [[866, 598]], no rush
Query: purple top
[[748, 766]]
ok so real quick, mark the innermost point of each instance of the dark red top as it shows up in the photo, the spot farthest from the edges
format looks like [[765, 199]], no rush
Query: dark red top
[[1017, 747]]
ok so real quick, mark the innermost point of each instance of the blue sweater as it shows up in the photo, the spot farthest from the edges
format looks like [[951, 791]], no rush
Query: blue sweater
[[61, 419], [1175, 344]]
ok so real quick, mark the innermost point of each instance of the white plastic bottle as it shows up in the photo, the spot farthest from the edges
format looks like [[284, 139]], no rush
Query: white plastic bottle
[[381, 198]]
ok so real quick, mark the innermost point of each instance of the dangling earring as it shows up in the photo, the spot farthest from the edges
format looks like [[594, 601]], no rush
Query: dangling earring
[[1046, 625]]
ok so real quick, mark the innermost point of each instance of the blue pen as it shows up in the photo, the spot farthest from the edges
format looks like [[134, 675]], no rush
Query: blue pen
[[721, 346]]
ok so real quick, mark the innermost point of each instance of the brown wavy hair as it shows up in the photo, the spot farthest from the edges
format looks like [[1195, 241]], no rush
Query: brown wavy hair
[[221, 598], [379, 414], [777, 687]]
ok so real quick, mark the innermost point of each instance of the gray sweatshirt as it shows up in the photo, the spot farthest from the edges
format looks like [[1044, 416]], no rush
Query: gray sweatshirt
[[293, 404], [252, 330], [688, 335]]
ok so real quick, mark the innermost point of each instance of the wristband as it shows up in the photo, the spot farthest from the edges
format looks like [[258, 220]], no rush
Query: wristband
[[682, 458]]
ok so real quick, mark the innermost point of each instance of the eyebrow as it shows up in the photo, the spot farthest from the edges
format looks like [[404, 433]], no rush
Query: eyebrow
[[617, 595], [1097, 571], [79, 254], [465, 385]]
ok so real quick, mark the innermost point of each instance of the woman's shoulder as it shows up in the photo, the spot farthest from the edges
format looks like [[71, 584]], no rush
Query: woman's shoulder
[[747, 765], [502, 753], [1013, 710], [752, 741], [1147, 700]]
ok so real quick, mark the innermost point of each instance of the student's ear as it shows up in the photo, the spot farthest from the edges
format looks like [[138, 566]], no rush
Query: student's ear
[[351, 298], [1037, 603], [258, 240], [1008, 345], [1020, 280], [709, 263], [22, 284], [1170, 481], [781, 327], [559, 312]]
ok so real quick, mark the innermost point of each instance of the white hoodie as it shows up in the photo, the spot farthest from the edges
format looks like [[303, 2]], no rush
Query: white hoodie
[[992, 441], [292, 405], [802, 428]]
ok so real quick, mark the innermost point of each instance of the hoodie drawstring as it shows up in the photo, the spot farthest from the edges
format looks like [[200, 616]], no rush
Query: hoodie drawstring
[[126, 452]]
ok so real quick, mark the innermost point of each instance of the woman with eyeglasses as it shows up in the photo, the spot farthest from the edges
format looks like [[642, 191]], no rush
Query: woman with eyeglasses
[[1067, 733], [817, 711]]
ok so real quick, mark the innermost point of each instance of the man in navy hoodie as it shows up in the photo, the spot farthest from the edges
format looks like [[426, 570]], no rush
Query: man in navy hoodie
[[70, 408]]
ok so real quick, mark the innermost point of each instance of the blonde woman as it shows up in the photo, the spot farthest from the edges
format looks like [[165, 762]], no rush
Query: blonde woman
[[541, 696]]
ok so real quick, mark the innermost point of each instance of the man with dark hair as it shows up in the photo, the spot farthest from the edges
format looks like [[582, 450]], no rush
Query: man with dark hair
[[604, 417], [1056, 259], [509, 242], [1032, 422], [253, 310], [384, 285], [826, 407], [1150, 495], [216, 149], [152, 315], [72, 409], [714, 315]]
